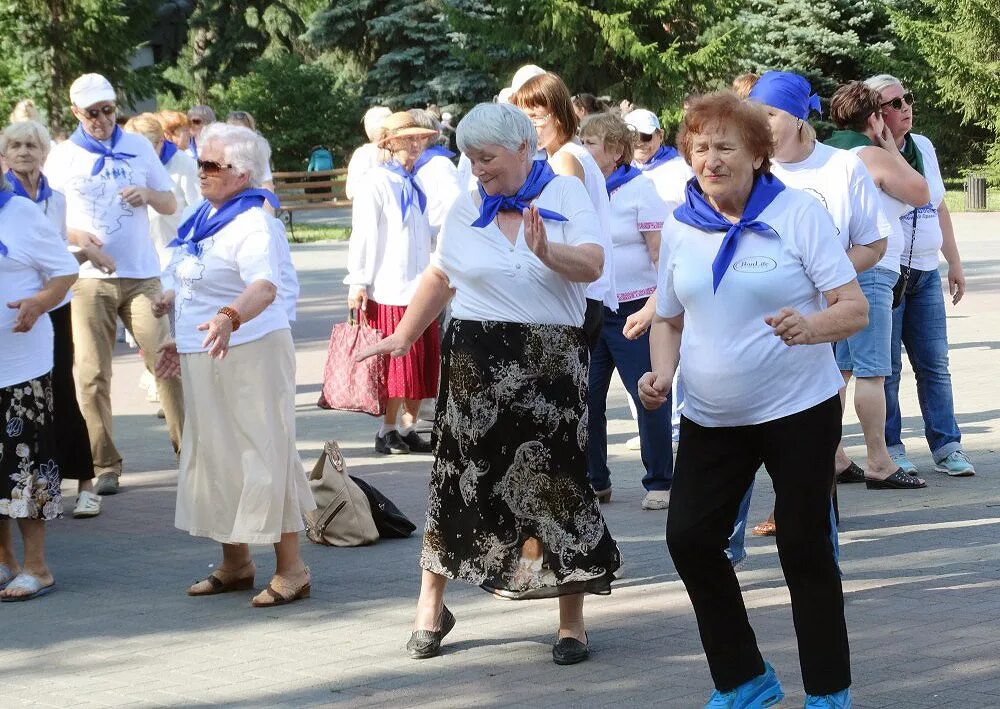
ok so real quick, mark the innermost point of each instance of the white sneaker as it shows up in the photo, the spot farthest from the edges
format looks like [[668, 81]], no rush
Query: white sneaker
[[656, 500], [633, 444], [87, 505]]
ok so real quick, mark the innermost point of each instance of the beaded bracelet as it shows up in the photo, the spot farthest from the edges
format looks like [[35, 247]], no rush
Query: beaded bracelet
[[234, 317]]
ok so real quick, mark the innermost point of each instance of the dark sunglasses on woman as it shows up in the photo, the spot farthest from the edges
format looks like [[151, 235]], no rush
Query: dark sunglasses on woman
[[644, 137], [93, 113], [211, 167], [897, 103]]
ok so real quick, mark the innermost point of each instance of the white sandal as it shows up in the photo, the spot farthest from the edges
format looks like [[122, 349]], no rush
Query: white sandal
[[29, 583], [87, 505]]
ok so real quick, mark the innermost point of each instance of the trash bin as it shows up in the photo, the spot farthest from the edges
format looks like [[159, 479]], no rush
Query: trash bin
[[975, 192]]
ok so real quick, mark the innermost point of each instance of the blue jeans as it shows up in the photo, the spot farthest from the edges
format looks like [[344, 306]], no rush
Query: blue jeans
[[919, 324], [631, 359]]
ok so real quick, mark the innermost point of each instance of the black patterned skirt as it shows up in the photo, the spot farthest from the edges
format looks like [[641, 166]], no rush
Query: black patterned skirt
[[510, 472], [29, 475]]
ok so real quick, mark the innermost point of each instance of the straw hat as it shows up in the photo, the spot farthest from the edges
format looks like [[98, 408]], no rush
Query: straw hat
[[401, 124]]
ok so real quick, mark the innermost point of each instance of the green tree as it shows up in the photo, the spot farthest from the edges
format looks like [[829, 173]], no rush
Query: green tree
[[46, 44]]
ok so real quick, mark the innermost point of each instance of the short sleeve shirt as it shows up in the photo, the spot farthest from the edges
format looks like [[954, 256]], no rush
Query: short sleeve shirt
[[927, 238], [636, 207]]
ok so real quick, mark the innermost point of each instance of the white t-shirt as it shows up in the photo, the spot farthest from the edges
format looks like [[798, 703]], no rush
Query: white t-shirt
[[362, 160], [183, 171], [928, 237], [36, 253], [890, 209], [840, 181], [247, 249], [495, 280], [736, 372], [93, 202], [671, 179], [603, 289], [438, 178], [386, 253], [466, 179], [55, 209], [635, 207]]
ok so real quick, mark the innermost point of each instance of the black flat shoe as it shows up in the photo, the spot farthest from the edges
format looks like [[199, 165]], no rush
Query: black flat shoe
[[417, 444], [897, 481], [853, 473], [570, 651], [391, 444], [424, 644]]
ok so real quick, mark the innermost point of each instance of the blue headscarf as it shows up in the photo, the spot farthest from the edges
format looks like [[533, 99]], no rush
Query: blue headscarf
[[541, 174], [621, 175], [697, 212], [167, 151], [664, 154], [200, 226], [93, 145], [5, 197], [431, 152], [44, 191], [411, 192], [787, 91]]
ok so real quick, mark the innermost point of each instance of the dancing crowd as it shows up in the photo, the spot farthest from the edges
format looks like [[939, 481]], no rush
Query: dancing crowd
[[736, 281]]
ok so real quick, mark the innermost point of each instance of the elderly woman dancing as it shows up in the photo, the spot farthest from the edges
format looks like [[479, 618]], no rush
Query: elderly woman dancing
[[241, 481], [36, 270], [756, 278], [510, 507]]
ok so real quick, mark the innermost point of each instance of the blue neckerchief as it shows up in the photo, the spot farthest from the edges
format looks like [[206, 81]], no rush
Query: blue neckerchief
[[193, 144], [200, 226], [5, 197], [429, 153], [541, 174], [664, 154], [621, 175], [167, 151], [93, 145], [44, 191], [411, 191], [697, 212]]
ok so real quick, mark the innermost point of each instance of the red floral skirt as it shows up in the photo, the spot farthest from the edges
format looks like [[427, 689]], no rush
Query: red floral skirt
[[415, 375]]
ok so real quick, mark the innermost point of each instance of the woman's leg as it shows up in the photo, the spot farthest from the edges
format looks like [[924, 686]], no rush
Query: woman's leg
[[289, 565], [799, 454], [7, 556], [431, 601], [33, 536], [236, 564], [571, 623], [391, 419], [601, 368]]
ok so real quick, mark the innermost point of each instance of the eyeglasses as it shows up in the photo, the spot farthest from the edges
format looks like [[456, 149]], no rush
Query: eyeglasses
[[539, 121], [897, 103], [645, 137], [196, 121], [94, 113], [210, 167]]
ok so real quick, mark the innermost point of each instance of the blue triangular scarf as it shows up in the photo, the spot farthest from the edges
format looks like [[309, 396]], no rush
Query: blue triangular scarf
[[93, 145], [541, 174], [664, 154], [5, 197], [193, 145], [697, 212], [411, 192], [621, 175], [199, 226], [44, 191], [167, 151], [429, 153]]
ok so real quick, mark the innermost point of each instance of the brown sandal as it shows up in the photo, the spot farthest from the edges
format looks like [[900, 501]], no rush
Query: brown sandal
[[765, 529], [219, 586], [279, 600]]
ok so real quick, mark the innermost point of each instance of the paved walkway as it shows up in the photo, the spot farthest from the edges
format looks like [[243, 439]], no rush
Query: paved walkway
[[922, 575]]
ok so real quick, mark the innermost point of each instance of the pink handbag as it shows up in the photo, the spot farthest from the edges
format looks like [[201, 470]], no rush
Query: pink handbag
[[350, 385]]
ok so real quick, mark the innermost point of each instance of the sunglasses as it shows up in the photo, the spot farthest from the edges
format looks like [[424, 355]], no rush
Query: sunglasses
[[210, 167], [645, 137], [196, 121], [897, 103], [94, 113]]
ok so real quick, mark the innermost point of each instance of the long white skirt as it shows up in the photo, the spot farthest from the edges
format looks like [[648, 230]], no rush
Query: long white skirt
[[241, 479]]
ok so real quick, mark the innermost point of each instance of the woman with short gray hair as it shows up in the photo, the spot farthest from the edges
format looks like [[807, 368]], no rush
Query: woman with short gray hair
[[241, 481], [510, 506]]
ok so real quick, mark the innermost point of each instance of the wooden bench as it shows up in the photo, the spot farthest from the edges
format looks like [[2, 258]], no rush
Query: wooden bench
[[300, 191]]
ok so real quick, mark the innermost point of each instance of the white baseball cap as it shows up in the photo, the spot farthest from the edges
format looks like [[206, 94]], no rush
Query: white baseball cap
[[522, 75], [90, 89], [643, 121], [505, 94]]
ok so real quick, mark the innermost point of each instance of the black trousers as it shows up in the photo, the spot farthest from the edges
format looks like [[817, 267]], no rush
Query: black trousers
[[593, 320], [714, 469], [72, 441]]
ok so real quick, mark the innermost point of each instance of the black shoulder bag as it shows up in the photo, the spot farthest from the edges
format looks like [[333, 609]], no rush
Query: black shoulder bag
[[904, 271]]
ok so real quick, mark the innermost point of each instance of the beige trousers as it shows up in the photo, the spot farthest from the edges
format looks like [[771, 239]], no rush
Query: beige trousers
[[97, 303]]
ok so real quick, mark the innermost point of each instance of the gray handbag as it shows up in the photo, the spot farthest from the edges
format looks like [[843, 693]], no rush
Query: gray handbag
[[343, 515]]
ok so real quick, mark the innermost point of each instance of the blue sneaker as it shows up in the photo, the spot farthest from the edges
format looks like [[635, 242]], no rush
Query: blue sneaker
[[762, 691], [957, 465], [903, 462], [838, 700]]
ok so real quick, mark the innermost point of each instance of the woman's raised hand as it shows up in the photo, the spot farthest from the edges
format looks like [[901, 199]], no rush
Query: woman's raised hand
[[534, 233]]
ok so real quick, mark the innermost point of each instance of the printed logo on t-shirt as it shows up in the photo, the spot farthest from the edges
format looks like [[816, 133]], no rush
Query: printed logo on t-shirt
[[189, 270], [101, 198], [755, 264], [822, 200]]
